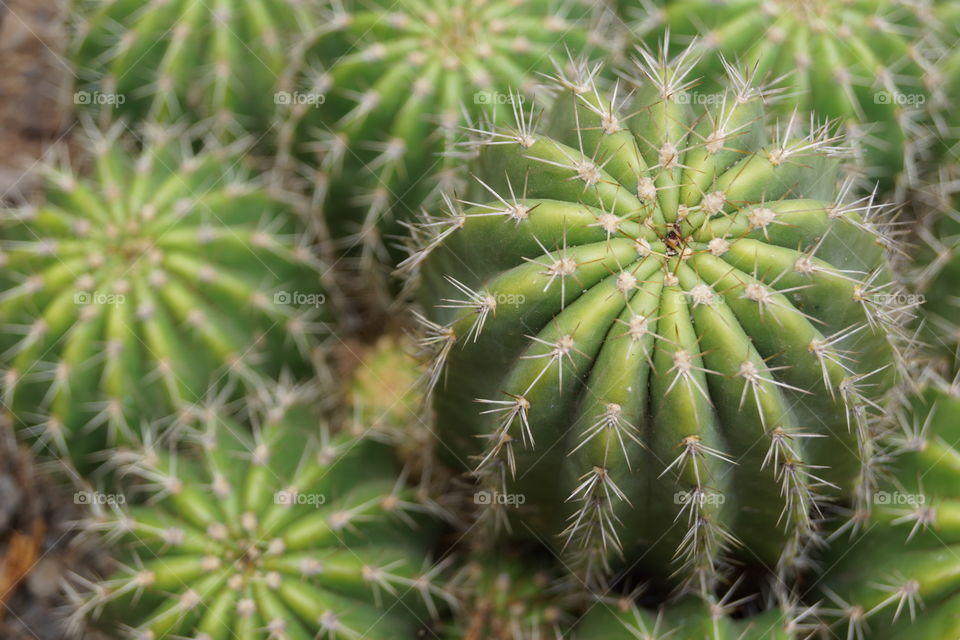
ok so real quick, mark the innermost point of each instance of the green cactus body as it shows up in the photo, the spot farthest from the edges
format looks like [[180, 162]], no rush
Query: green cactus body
[[857, 61], [690, 619], [126, 294], [900, 579], [281, 532], [664, 330], [379, 125], [217, 60], [944, 85], [503, 598]]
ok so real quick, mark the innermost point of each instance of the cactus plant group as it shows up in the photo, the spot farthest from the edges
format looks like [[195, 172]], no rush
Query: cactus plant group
[[217, 61], [657, 361], [273, 530], [864, 63], [663, 328], [127, 292], [378, 126]]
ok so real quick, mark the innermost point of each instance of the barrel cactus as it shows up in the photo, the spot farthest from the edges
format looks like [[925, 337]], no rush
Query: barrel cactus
[[269, 530], [217, 61], [665, 334], [378, 126], [900, 577], [690, 619], [127, 293], [861, 62]]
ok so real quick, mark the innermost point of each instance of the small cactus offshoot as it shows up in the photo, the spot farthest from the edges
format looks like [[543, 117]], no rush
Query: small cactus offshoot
[[216, 60], [378, 126], [126, 294], [898, 576], [272, 530], [860, 62], [664, 325]]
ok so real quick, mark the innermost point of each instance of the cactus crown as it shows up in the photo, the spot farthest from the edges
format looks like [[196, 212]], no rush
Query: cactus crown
[[676, 327], [114, 290], [279, 532], [388, 114]]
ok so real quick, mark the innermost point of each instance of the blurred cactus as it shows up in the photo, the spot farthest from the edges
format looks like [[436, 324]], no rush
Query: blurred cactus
[[898, 576], [124, 295], [273, 530], [217, 61], [862, 62], [377, 120]]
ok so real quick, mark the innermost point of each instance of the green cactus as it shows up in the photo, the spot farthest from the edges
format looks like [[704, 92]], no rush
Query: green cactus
[[860, 61], [279, 531], [503, 597], [378, 126], [690, 619], [126, 294], [900, 578], [944, 85], [216, 60], [667, 332]]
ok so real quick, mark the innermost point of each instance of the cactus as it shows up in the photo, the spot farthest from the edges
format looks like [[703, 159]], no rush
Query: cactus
[[378, 126], [502, 597], [689, 619], [898, 579], [944, 84], [126, 294], [218, 61], [860, 62], [666, 331], [272, 530]]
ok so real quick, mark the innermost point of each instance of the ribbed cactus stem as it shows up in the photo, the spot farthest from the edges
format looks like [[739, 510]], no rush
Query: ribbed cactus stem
[[669, 325]]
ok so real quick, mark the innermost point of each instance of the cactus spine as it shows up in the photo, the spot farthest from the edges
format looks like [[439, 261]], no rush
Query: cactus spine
[[279, 531], [126, 294], [666, 330]]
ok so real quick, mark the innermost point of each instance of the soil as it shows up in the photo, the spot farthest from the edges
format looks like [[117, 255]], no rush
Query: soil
[[35, 90]]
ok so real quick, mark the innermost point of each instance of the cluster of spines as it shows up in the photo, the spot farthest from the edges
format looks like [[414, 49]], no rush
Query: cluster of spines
[[595, 525]]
